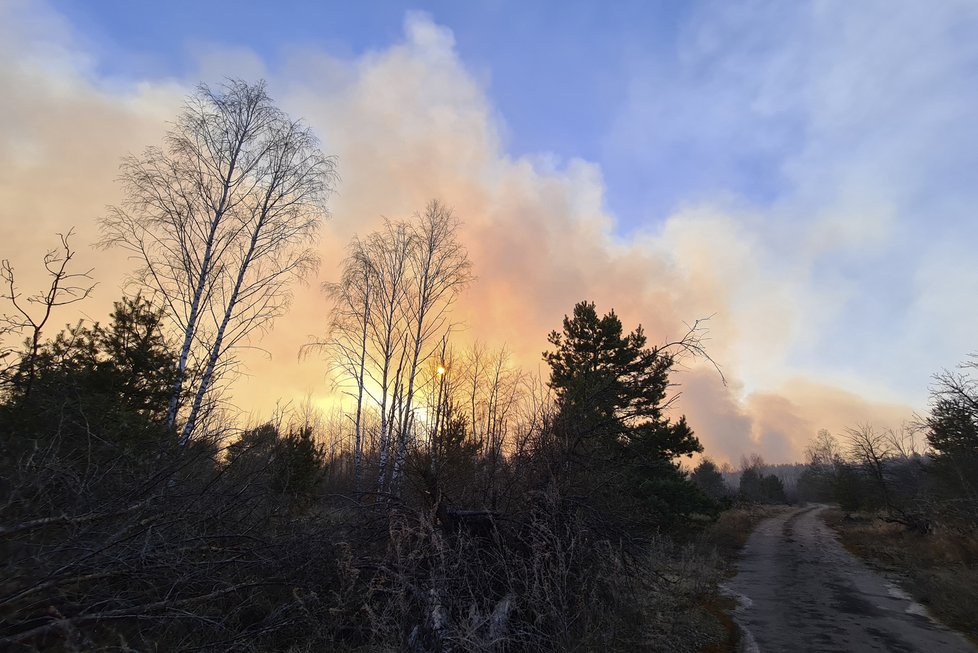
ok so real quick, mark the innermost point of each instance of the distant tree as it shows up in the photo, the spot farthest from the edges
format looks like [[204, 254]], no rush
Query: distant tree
[[772, 489], [824, 451], [388, 253], [850, 488], [758, 487], [750, 484], [489, 389], [814, 486], [393, 304], [953, 437], [349, 334], [220, 219], [872, 450], [708, 478], [291, 464], [752, 461], [751, 473], [449, 466], [440, 269], [823, 459]]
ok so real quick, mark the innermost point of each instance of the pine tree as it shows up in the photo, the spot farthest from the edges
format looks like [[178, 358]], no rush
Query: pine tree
[[611, 393], [110, 382]]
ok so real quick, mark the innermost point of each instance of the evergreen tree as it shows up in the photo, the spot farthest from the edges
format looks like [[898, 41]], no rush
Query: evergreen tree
[[104, 384], [291, 464], [613, 388], [750, 484], [709, 480], [611, 393], [772, 489], [953, 436]]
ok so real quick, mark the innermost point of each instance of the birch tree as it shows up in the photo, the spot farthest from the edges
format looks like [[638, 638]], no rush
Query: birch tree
[[388, 251], [347, 341], [440, 268], [391, 314], [220, 219], [493, 394]]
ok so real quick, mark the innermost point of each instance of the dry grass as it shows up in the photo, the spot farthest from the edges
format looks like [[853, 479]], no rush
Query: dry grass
[[940, 568], [733, 527], [720, 609]]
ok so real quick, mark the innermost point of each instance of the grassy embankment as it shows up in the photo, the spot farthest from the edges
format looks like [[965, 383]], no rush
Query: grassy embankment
[[939, 569]]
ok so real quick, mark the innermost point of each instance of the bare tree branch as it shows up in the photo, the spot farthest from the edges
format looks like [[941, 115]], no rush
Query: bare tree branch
[[220, 220]]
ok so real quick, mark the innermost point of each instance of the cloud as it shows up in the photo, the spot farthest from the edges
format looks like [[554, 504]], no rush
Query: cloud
[[62, 135], [846, 131], [410, 122]]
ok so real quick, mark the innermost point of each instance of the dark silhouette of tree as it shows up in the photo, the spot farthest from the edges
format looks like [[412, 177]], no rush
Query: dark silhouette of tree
[[65, 287], [611, 393], [850, 488], [758, 487], [350, 345], [440, 269], [96, 404], [873, 451], [292, 463], [750, 484], [709, 480], [772, 489], [392, 312], [613, 388], [823, 461], [952, 433]]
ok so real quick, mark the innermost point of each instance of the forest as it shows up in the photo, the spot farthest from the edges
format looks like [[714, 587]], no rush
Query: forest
[[452, 502]]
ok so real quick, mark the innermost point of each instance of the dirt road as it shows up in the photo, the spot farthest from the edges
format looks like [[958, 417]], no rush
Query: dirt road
[[799, 590]]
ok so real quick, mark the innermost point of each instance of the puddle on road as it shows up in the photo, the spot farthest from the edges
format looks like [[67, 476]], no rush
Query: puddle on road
[[914, 607]]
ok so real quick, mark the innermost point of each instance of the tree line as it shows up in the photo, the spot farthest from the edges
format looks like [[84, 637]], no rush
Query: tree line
[[921, 475]]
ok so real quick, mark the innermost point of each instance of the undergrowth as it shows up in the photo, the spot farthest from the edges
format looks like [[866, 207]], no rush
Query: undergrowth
[[940, 568]]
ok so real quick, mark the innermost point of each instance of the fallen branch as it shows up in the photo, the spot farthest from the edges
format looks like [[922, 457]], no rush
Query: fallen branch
[[138, 612], [65, 519]]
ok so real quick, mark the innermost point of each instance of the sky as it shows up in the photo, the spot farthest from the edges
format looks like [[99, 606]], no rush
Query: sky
[[804, 173]]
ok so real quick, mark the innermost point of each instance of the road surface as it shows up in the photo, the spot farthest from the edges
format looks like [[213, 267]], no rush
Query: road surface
[[799, 590]]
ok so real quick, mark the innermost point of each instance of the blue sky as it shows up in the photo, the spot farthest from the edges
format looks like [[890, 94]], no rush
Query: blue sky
[[804, 171], [557, 72], [567, 78]]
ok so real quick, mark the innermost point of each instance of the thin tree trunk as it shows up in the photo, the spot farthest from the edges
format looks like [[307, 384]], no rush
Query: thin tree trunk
[[401, 454], [191, 330], [384, 424], [396, 408], [215, 352], [358, 437]]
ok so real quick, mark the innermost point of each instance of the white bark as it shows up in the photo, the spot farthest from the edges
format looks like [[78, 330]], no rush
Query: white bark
[[220, 219], [441, 268]]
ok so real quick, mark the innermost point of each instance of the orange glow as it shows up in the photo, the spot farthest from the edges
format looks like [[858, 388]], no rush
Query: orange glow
[[536, 228]]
